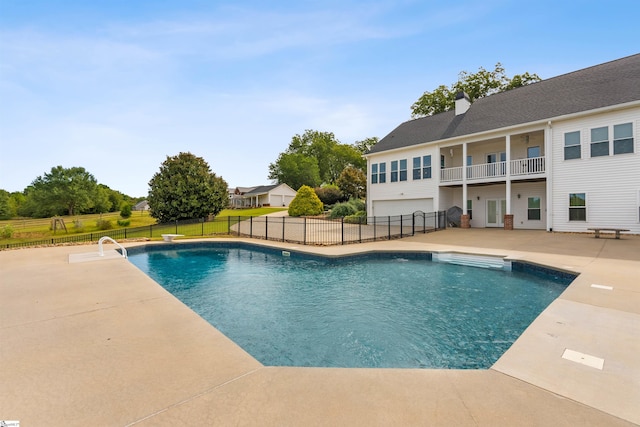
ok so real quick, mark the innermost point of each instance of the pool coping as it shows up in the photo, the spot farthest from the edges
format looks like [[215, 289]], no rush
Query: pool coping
[[47, 300]]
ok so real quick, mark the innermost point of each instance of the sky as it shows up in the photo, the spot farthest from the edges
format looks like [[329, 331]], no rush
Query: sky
[[117, 86]]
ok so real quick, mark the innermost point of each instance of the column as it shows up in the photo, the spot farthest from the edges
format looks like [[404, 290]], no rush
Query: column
[[464, 219]]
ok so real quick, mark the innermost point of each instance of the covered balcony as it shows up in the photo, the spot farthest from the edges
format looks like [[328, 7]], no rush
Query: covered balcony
[[492, 161]]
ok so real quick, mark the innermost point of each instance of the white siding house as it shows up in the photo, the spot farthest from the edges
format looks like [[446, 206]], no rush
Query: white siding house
[[265, 195], [562, 154]]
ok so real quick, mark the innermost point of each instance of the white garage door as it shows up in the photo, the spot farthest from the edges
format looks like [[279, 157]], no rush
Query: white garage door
[[401, 207]]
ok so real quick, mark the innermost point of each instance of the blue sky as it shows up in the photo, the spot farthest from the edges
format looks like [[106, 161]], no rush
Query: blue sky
[[116, 86]]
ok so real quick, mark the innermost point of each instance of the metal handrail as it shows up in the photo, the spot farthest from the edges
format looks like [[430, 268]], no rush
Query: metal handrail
[[101, 251]]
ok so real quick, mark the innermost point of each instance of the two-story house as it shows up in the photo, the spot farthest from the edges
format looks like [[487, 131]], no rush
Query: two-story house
[[562, 154]]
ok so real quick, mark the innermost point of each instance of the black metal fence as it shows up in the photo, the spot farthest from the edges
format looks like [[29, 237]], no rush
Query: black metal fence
[[304, 230]]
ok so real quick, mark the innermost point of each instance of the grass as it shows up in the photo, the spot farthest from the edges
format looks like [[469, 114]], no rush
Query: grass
[[25, 230]]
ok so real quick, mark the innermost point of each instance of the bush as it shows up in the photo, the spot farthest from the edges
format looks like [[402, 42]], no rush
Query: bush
[[124, 222], [78, 225], [348, 208], [125, 210], [306, 202], [329, 194], [341, 210], [6, 232], [359, 217], [104, 224]]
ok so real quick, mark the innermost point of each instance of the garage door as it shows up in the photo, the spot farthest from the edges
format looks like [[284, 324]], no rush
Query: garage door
[[401, 207]]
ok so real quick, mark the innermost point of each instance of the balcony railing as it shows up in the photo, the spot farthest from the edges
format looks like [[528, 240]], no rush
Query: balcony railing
[[491, 171]]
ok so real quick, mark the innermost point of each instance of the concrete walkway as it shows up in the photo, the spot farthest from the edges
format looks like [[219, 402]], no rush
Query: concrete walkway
[[99, 343]]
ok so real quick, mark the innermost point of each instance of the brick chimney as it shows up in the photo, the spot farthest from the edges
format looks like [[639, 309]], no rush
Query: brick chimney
[[462, 103]]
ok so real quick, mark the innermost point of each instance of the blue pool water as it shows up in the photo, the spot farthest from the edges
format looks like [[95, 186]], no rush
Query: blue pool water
[[383, 311]]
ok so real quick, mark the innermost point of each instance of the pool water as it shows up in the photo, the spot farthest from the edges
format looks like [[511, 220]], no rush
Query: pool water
[[384, 311]]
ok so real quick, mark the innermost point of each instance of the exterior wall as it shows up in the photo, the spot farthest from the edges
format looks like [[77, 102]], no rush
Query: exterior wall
[[611, 183], [408, 194], [519, 206]]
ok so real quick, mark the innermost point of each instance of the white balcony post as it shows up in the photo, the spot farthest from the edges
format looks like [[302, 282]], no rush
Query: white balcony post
[[464, 178], [508, 172]]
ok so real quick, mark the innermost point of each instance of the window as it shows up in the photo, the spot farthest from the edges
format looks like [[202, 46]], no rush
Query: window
[[600, 142], [426, 167], [394, 171], [382, 174], [470, 208], [416, 168], [442, 161], [623, 138], [572, 145], [577, 207], [374, 173], [533, 208], [403, 170], [533, 152]]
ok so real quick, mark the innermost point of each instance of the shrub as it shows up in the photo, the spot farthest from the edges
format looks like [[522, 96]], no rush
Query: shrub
[[104, 224], [347, 208], [329, 194], [78, 225], [124, 222], [359, 217], [6, 232], [125, 210], [341, 210], [306, 202]]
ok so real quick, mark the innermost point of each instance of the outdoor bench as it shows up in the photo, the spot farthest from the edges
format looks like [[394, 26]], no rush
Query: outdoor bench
[[599, 229], [170, 237]]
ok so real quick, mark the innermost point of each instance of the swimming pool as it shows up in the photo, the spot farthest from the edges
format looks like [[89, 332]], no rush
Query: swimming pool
[[379, 310]]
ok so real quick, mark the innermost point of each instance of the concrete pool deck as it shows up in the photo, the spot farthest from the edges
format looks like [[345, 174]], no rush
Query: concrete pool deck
[[100, 343]]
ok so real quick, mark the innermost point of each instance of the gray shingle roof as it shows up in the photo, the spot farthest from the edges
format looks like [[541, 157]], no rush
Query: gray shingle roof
[[263, 189], [603, 85]]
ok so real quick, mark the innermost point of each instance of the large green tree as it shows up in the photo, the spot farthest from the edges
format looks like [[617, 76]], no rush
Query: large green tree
[[63, 190], [185, 188], [5, 206], [353, 183], [330, 155], [477, 85]]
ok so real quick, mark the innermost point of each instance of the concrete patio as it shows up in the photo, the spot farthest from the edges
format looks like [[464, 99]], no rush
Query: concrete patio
[[99, 343]]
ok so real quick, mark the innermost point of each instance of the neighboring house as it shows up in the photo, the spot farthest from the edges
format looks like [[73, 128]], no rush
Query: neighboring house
[[562, 154], [264, 195], [141, 206]]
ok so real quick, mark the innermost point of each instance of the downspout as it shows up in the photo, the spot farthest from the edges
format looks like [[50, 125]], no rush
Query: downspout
[[548, 155]]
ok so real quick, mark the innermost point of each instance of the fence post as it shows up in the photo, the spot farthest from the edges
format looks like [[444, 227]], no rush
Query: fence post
[[413, 225], [266, 228], [125, 233], [304, 231], [202, 228], [283, 218], [342, 230], [176, 226], [151, 230], [374, 228], [229, 225], [251, 226], [389, 227], [360, 229]]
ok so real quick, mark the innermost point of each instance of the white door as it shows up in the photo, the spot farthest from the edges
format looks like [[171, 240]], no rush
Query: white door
[[496, 208]]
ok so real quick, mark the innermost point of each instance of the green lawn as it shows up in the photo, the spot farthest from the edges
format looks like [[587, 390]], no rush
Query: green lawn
[[25, 230]]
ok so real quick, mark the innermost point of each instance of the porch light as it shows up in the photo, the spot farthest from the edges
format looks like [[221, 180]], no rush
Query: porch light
[[478, 197], [451, 152], [518, 195]]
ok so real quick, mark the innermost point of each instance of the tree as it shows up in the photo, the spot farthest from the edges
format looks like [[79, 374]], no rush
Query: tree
[[125, 210], [63, 190], [365, 145], [295, 170], [185, 188], [476, 85], [330, 156], [306, 202], [353, 183], [329, 194], [5, 206]]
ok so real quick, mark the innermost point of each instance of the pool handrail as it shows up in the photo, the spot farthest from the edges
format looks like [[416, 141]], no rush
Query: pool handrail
[[101, 251]]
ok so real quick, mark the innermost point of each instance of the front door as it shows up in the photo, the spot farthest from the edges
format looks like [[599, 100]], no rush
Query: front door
[[496, 208]]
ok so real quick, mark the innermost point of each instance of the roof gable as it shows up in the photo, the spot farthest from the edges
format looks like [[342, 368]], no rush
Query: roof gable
[[611, 83]]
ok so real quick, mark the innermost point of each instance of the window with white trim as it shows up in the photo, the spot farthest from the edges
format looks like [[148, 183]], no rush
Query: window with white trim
[[600, 141], [426, 167], [623, 138], [533, 209], [403, 170], [577, 207], [470, 208], [417, 168], [572, 145], [382, 173], [374, 173], [394, 171]]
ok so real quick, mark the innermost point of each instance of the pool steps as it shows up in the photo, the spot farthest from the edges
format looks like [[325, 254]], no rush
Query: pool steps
[[473, 260]]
